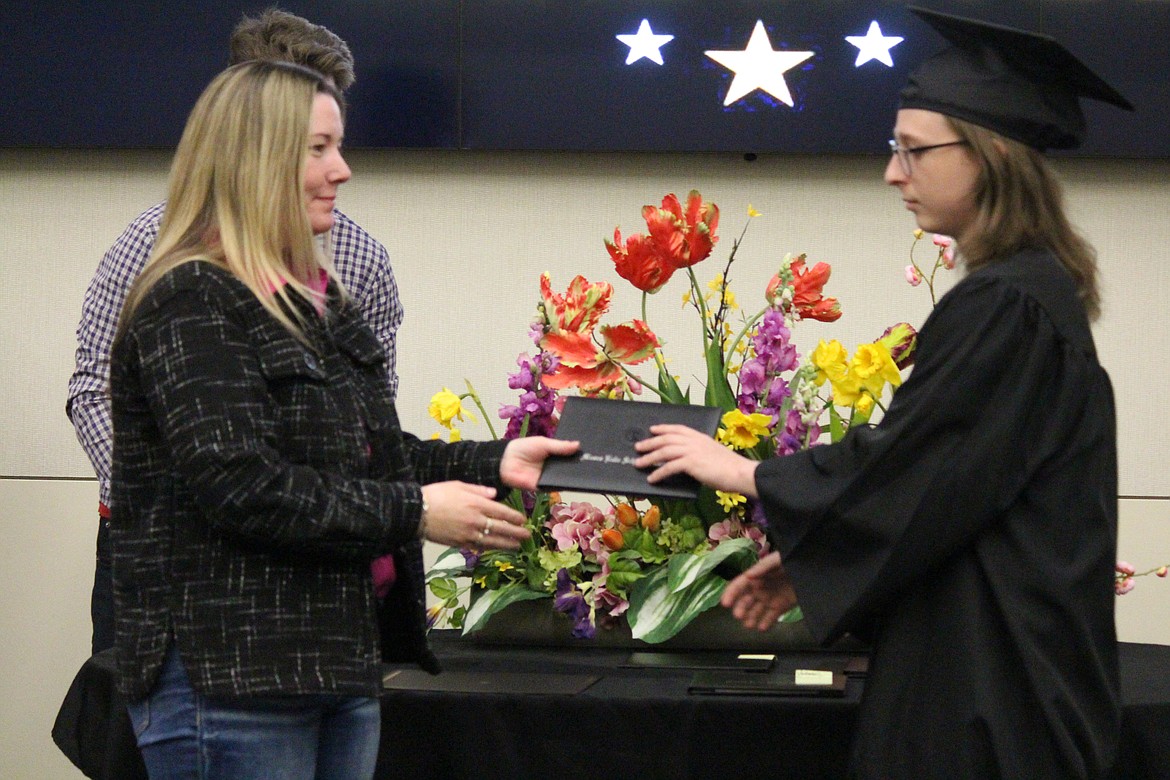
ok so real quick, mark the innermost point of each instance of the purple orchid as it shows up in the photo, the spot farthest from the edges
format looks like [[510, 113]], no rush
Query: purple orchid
[[572, 602]]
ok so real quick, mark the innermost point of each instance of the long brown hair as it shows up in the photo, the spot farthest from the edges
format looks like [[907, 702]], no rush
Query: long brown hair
[[236, 196], [1020, 206]]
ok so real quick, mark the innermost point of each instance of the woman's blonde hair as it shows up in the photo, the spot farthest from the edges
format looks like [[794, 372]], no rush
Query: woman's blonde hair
[[1020, 206], [236, 192]]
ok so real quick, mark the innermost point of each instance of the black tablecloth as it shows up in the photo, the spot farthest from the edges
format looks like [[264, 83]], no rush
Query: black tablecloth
[[624, 723]]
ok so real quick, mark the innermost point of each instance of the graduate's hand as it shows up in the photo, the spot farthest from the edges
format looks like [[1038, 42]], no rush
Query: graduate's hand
[[677, 449], [464, 515], [759, 596], [524, 458]]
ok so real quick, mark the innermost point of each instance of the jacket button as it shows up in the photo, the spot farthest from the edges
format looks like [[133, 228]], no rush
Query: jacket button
[[311, 362]]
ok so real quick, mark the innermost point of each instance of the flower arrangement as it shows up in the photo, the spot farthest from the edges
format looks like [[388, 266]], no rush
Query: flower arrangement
[[659, 563]]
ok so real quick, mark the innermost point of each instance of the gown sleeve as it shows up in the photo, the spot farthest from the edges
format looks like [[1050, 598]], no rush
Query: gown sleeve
[[997, 395]]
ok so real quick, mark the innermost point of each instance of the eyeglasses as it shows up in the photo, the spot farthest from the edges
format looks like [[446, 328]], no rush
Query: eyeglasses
[[905, 154]]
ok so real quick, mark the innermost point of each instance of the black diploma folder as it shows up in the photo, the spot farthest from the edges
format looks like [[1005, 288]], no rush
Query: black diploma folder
[[789, 682], [607, 430]]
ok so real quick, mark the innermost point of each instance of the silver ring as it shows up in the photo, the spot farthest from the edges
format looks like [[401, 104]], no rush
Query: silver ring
[[487, 527]]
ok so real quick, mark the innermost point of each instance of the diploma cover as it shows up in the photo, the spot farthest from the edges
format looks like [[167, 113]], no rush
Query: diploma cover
[[792, 682], [607, 430]]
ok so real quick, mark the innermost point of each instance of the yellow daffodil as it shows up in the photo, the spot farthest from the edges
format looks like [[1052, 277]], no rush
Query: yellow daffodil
[[875, 367], [864, 405], [847, 388], [504, 565], [446, 407], [752, 213], [831, 361], [729, 501], [743, 431]]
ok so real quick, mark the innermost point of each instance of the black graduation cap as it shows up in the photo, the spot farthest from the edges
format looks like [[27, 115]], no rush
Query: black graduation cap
[[1020, 84]]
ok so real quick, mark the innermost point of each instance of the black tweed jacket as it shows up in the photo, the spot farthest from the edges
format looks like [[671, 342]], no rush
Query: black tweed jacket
[[254, 479]]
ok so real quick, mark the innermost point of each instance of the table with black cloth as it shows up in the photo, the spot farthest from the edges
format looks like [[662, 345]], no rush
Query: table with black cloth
[[625, 722]]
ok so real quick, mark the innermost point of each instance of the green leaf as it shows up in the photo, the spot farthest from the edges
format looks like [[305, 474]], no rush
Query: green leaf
[[685, 570], [793, 615], [709, 508], [647, 548], [443, 588], [624, 571], [671, 392], [718, 389], [457, 566], [450, 552], [515, 500], [861, 418], [656, 614], [490, 602], [440, 574], [836, 425]]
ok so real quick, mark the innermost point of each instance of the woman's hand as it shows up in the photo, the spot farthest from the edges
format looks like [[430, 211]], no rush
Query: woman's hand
[[464, 515], [677, 449], [759, 596], [524, 458]]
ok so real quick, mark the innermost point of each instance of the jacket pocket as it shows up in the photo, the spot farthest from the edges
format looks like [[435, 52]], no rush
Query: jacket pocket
[[309, 424], [289, 360]]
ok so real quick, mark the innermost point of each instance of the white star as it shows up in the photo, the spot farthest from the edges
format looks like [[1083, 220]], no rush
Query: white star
[[873, 46], [759, 67], [644, 43]]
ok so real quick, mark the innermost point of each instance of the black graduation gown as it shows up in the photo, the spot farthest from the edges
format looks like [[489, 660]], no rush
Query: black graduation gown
[[970, 537]]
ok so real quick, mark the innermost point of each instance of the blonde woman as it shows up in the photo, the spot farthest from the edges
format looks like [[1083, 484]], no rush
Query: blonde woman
[[360, 260], [258, 463]]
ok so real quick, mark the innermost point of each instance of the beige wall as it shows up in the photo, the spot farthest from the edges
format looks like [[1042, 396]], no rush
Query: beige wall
[[469, 234]]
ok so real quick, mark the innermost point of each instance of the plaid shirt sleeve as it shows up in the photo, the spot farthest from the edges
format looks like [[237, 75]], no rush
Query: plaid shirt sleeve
[[88, 404], [364, 267]]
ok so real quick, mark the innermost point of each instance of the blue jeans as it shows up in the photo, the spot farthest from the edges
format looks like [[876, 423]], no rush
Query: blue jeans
[[184, 734]]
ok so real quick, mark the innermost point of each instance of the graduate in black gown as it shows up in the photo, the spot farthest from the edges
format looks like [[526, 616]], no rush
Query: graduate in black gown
[[969, 536]]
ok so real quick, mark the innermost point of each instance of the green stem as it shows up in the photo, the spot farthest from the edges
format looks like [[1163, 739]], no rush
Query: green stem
[[658, 360], [746, 327], [479, 405], [921, 275], [642, 384], [702, 304], [937, 264]]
